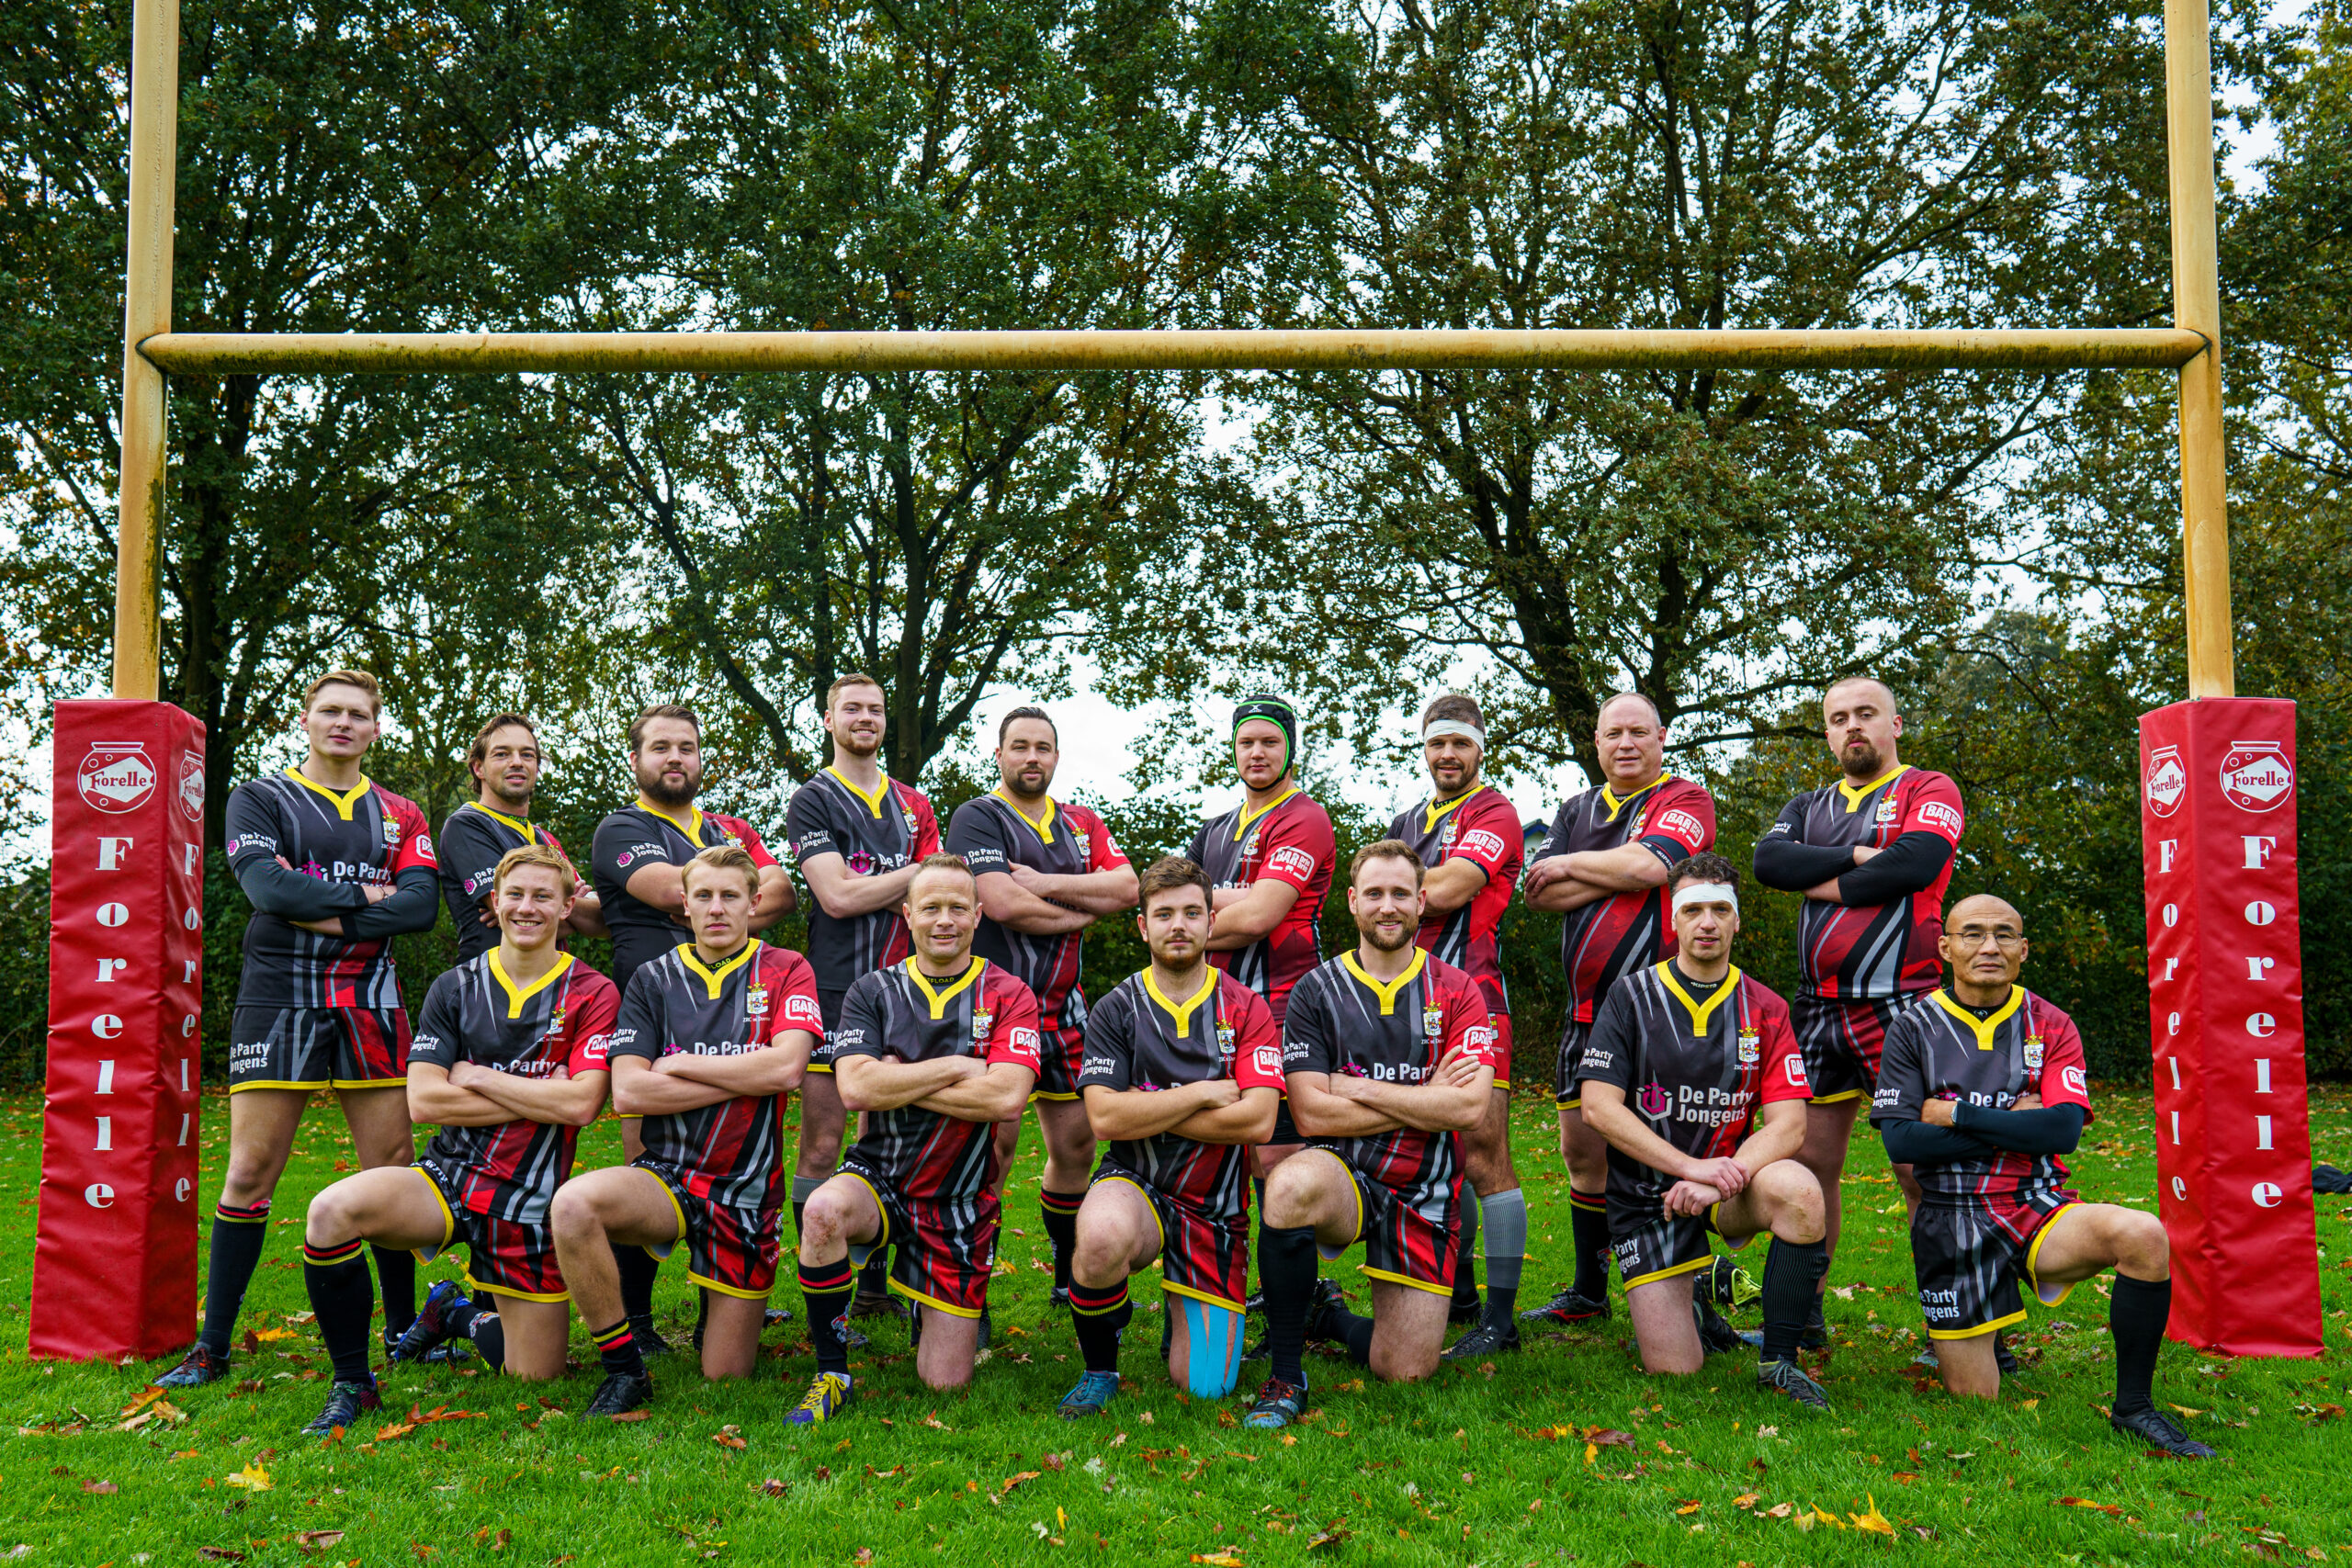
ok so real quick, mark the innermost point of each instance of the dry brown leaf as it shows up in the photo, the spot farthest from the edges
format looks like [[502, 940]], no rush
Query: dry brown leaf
[[1745, 1500], [100, 1487], [633, 1416], [219, 1555], [2110, 1509], [317, 1541], [252, 1478]]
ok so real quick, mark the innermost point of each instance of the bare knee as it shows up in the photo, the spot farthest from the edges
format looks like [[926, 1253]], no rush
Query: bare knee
[[1797, 1206], [1671, 1362], [824, 1219], [571, 1215], [1101, 1259], [821, 1148], [331, 1220], [1404, 1366], [1290, 1195], [2142, 1251]]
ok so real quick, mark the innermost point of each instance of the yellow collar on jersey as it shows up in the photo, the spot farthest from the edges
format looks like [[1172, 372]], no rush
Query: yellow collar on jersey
[[1241, 823], [712, 979], [1856, 794], [873, 802], [691, 827], [1388, 993], [517, 995], [530, 836], [1437, 809], [1180, 1012], [343, 802], [1701, 1012], [1986, 1028], [1616, 802], [1045, 829], [939, 998]]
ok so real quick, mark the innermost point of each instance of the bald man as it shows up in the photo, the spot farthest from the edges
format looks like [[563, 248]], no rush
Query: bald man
[[1982, 1089], [1873, 855]]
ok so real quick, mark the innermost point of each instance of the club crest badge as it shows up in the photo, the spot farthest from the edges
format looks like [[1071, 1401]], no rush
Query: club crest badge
[[981, 1019], [1445, 836], [1751, 1047], [1433, 1023], [555, 1020], [755, 1000], [2034, 1053], [2165, 783], [1889, 810], [2257, 775], [1225, 1042]]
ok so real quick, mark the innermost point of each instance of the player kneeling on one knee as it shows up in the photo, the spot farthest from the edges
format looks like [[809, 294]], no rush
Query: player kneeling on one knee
[[1694, 1078], [1982, 1088], [1388, 1056], [932, 1053], [710, 1034], [1181, 1072], [509, 1059]]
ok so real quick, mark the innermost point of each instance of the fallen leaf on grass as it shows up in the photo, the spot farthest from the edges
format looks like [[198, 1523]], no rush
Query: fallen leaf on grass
[[394, 1432], [1745, 1500], [147, 1395], [1218, 1559], [934, 1422], [2027, 1404], [1687, 1505], [770, 1486], [317, 1541], [1874, 1521], [863, 1554], [270, 1336], [1779, 1511], [501, 1540], [1012, 1481], [727, 1437], [1331, 1534], [633, 1416], [219, 1555], [100, 1487], [252, 1478], [2109, 1509]]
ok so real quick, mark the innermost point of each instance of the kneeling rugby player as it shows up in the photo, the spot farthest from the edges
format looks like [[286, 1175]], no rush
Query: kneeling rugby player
[[1183, 1074]]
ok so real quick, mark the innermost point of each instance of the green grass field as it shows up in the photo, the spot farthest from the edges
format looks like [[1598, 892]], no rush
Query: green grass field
[[1469, 1468]]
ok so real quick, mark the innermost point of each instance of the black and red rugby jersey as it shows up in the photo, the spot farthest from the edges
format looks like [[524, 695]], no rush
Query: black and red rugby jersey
[[367, 835], [1290, 841], [472, 840], [1138, 1039], [991, 836], [1480, 826], [1696, 1064], [1938, 1049], [731, 1153], [625, 841], [893, 827], [901, 1011], [1603, 942], [1873, 951], [474, 1013], [1342, 1022]]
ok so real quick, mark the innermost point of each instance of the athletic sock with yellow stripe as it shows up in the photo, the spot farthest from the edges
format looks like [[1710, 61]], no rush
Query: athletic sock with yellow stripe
[[617, 1350], [825, 1290], [343, 1300], [1100, 1316], [1061, 1226]]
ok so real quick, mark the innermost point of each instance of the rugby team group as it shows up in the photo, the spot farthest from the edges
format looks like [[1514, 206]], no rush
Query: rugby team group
[[1362, 1098]]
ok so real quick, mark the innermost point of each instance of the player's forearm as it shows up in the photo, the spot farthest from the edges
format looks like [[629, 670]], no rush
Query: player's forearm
[[276, 890], [1432, 1107], [587, 915], [414, 905], [1096, 892], [1770, 1143], [440, 1103], [1565, 893], [1627, 869], [1135, 1113], [649, 1093], [1452, 886], [1793, 867], [844, 896], [1918, 1143], [868, 1085], [1241, 1123], [772, 1069], [1624, 1132], [777, 898], [1254, 916], [997, 1095], [1322, 1114], [1908, 865], [2052, 1130], [557, 1102], [1045, 919]]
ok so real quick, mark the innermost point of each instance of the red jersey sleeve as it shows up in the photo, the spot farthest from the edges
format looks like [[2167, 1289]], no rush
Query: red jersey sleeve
[[1295, 843], [925, 819], [1488, 837], [1681, 820], [1103, 852], [1932, 807], [2065, 1074], [1468, 1026], [1785, 1076], [595, 1005], [796, 1006], [743, 833], [580, 887], [416, 848], [1256, 1044], [1012, 1027]]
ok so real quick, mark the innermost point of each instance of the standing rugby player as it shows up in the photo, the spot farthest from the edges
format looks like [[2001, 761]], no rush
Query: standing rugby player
[[710, 1034], [640, 855], [1045, 871], [1270, 860], [934, 1052], [335, 865], [1388, 1058], [1470, 840], [505, 762], [1183, 1070], [1603, 873], [1693, 1076], [1873, 854], [509, 1060], [1983, 1089]]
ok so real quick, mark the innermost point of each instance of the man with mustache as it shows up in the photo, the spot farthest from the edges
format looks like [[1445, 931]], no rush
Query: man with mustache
[[505, 762]]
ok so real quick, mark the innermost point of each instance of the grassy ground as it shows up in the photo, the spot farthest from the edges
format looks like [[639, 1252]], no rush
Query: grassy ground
[[1471, 1468]]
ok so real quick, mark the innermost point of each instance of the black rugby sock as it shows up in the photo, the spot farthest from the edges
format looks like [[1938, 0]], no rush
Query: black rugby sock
[[638, 1269], [617, 1350], [488, 1332], [2136, 1316], [1354, 1332], [1286, 1273], [343, 1300], [1589, 1233], [396, 1274], [1099, 1316], [1061, 1226], [1466, 1247], [825, 1290], [1790, 1272], [237, 1239]]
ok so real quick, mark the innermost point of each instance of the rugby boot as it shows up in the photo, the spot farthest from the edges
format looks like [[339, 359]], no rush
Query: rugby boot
[[1792, 1381], [431, 1330], [1568, 1307], [347, 1401], [1715, 1333], [202, 1365], [776, 1317], [648, 1338], [1090, 1397], [1487, 1339], [2149, 1426], [1278, 1404], [824, 1399], [1816, 1334], [621, 1392]]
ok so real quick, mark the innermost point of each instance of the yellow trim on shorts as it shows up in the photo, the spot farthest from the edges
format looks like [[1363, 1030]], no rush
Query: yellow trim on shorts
[[306, 1086], [2033, 1250], [1716, 1230], [933, 1302], [709, 1284], [879, 1242], [1835, 1098], [449, 1219], [1400, 1279], [1226, 1302], [1148, 1203], [368, 1083], [1573, 1103], [826, 1068], [1980, 1330], [1054, 1094], [516, 1295], [675, 1208], [1690, 1268]]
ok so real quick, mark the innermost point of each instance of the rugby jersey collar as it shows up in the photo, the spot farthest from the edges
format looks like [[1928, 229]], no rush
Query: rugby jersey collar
[[1446, 808], [939, 998], [1854, 795], [691, 827], [713, 978], [1701, 1013], [1181, 1012], [1388, 993], [1984, 1028], [524, 828], [873, 802], [1045, 829], [1244, 817], [517, 995], [343, 802], [1617, 803]]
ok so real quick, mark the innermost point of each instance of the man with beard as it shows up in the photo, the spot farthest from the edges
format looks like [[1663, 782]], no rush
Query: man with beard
[[1873, 854], [1603, 873], [1470, 840], [857, 835], [640, 855], [505, 762], [1388, 1058], [1046, 872]]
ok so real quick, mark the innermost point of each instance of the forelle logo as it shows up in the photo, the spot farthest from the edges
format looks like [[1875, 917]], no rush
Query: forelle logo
[[2257, 775], [2166, 782], [116, 776]]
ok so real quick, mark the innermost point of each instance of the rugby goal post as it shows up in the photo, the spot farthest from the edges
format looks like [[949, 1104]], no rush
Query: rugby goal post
[[115, 1273]]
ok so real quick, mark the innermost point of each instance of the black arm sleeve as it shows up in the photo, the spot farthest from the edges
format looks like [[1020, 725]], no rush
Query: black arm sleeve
[[1901, 869], [1785, 862], [414, 905], [2052, 1130], [1917, 1143], [290, 896]]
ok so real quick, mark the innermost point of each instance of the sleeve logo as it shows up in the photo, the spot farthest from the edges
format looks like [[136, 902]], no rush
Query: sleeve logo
[[1024, 1043], [1478, 841], [1943, 819], [1683, 826], [598, 1048], [1270, 1059], [1793, 1065], [801, 1007], [2075, 1082], [1290, 858]]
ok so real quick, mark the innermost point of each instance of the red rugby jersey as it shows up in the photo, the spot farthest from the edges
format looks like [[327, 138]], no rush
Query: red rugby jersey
[[1603, 942], [1480, 826], [1289, 841], [1873, 952]]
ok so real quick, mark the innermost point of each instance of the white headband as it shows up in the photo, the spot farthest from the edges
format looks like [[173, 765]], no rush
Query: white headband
[[1706, 893], [1454, 727]]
